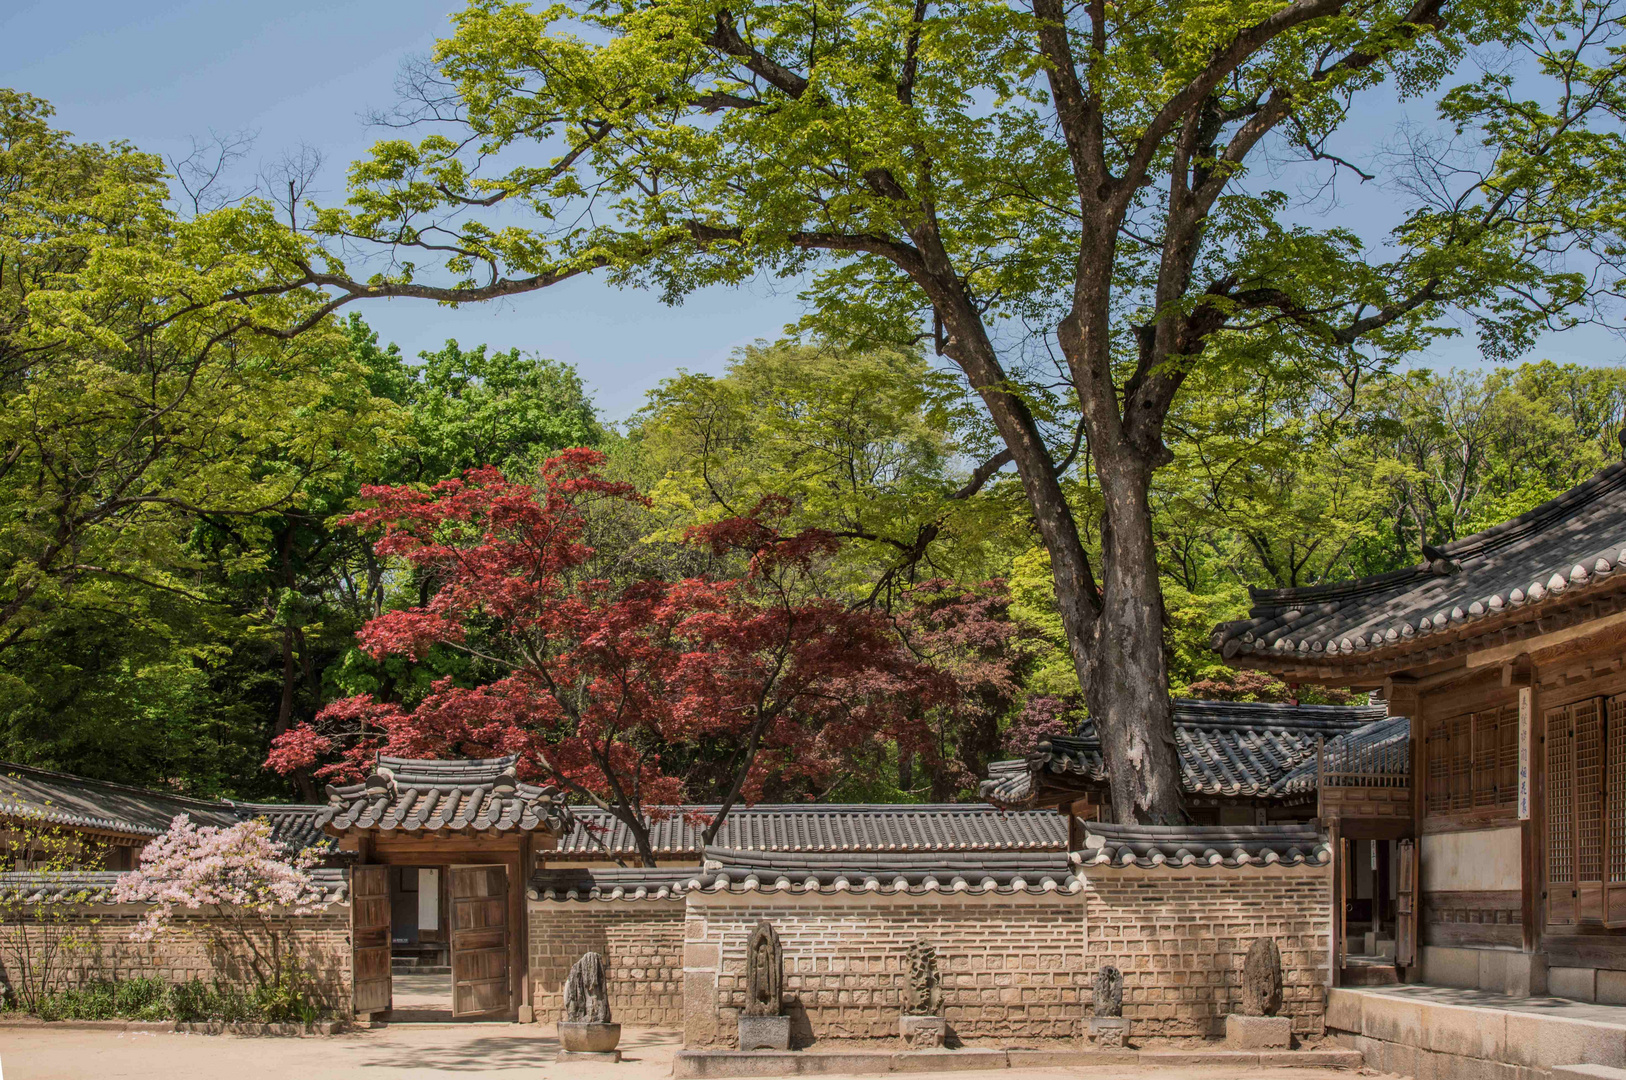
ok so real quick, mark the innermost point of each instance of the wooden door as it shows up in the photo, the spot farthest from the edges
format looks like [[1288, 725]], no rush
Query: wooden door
[[479, 926], [1344, 886], [370, 937], [1407, 892]]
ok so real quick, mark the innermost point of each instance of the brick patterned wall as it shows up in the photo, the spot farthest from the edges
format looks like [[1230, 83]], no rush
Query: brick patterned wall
[[94, 944], [642, 945], [1180, 938], [1011, 968]]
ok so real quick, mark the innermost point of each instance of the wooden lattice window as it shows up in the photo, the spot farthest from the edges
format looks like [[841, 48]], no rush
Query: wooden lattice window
[[1586, 812], [1560, 816], [1587, 720], [1615, 814], [1473, 761]]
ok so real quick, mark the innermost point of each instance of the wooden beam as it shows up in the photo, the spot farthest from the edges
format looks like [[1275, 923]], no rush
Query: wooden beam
[[1543, 642]]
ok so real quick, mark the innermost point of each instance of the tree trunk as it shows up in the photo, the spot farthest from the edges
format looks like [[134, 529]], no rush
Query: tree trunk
[[1125, 675]]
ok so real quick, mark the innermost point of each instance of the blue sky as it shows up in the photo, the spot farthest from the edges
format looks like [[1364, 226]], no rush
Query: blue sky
[[158, 72]]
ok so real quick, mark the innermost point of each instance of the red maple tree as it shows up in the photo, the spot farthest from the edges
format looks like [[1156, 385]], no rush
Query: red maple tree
[[626, 694]]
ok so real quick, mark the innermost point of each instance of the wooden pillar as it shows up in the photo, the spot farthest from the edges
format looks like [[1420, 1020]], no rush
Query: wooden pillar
[[515, 863]]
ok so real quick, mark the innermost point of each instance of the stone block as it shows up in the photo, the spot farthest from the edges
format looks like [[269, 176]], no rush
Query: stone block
[[1611, 988], [1344, 1011], [945, 1060], [1470, 1033], [1109, 1032], [1069, 1059], [1577, 984], [1588, 1072], [1493, 970], [1443, 966], [1392, 1019], [923, 1032], [1526, 975], [1258, 1032], [1311, 1059], [601, 1056], [699, 954], [764, 1033], [1544, 1042]]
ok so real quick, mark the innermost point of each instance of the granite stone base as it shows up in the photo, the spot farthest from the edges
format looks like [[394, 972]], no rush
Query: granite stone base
[[582, 1038], [923, 1032], [1109, 1032], [764, 1033], [1258, 1032], [609, 1056]]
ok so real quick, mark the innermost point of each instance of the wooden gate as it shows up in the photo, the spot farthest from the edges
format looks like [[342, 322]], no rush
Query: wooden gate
[[370, 937], [1406, 896], [479, 923]]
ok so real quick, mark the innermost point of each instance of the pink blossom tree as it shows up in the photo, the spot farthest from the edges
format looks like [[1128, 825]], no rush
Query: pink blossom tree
[[238, 876]]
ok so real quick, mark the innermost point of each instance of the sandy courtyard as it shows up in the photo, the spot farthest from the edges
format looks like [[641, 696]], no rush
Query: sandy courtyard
[[412, 1051]]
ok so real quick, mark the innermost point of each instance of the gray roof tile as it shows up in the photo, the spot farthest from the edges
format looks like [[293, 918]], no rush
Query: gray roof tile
[[422, 795], [824, 827], [1512, 573], [96, 886], [79, 802], [1238, 749], [732, 871], [1178, 846]]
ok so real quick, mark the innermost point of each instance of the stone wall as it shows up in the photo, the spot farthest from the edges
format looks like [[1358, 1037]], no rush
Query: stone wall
[[642, 945], [93, 943], [1180, 937], [1012, 966]]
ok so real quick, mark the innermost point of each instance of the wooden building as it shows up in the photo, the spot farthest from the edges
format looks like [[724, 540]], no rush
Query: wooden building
[[1507, 652], [113, 822]]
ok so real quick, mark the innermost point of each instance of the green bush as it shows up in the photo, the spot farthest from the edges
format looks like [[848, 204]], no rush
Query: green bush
[[287, 1002]]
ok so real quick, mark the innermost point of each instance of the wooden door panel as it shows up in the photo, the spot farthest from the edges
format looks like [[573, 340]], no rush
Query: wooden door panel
[[479, 932], [370, 938], [1406, 888]]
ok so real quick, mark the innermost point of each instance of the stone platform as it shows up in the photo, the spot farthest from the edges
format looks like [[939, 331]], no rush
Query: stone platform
[[1436, 1032], [703, 1064]]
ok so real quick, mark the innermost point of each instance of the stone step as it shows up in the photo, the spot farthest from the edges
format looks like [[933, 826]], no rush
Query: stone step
[[1370, 974], [702, 1064], [1438, 1032]]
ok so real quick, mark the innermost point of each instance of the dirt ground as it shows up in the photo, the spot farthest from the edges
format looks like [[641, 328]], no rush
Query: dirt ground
[[414, 1051]]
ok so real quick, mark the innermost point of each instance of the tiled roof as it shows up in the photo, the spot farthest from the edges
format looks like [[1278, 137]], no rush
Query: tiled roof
[[96, 886], [1001, 872], [82, 803], [1370, 745], [431, 796], [293, 824], [1225, 747], [1176, 846], [731, 871], [612, 882], [1512, 573], [824, 827]]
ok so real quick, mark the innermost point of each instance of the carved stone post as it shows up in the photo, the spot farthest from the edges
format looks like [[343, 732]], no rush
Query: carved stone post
[[922, 1025], [586, 1032], [762, 1027]]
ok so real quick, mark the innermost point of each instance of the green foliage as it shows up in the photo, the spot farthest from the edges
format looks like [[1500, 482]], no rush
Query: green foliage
[[867, 445], [195, 1001]]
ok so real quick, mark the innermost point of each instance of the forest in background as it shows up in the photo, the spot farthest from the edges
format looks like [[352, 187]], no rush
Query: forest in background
[[1071, 377], [241, 624]]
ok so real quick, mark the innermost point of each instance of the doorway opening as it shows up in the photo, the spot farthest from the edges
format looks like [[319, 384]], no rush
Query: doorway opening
[[432, 943], [1371, 911], [420, 952]]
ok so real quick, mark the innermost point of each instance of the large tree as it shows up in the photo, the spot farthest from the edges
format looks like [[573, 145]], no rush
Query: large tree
[[1060, 199], [632, 692]]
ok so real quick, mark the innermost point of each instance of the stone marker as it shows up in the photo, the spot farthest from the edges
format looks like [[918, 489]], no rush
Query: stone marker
[[586, 1034], [1108, 1028], [1257, 1027], [922, 1025], [761, 1026]]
